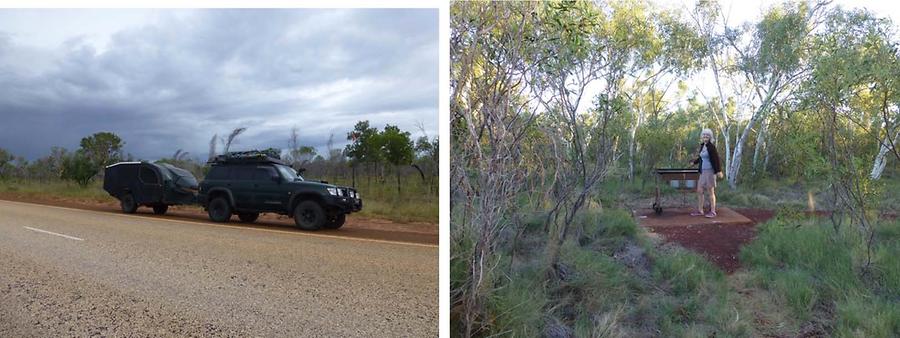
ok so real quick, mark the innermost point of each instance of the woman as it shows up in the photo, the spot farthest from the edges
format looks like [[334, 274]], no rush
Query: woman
[[710, 167]]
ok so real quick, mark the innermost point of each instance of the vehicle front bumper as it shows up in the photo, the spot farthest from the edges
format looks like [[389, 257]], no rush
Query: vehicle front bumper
[[345, 204]]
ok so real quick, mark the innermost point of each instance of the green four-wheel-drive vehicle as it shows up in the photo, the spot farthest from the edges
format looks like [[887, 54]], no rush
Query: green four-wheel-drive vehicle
[[250, 183], [149, 184]]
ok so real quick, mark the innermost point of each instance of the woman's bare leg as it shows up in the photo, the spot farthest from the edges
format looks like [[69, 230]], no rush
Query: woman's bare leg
[[712, 199], [700, 199]]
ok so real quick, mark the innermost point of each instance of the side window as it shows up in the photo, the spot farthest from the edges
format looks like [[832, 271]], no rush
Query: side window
[[148, 176], [242, 173], [217, 173], [264, 174]]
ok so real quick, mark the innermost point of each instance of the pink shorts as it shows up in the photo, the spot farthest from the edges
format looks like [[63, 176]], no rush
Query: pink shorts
[[707, 180]]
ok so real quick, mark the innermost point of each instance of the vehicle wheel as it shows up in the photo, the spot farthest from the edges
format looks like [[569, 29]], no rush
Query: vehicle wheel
[[336, 222], [309, 215], [248, 217], [128, 205], [160, 209], [219, 210]]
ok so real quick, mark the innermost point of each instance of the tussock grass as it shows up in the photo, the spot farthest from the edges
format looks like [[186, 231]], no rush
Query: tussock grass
[[818, 273], [675, 293]]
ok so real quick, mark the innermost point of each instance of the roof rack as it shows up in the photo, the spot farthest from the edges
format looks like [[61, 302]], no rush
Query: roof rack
[[270, 155]]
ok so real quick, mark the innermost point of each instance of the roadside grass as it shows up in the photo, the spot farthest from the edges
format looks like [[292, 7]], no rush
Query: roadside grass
[[416, 201], [818, 273], [380, 199], [55, 189]]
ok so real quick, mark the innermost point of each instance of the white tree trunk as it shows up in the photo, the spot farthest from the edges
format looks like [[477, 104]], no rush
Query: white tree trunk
[[739, 145], [881, 159], [760, 139], [631, 154]]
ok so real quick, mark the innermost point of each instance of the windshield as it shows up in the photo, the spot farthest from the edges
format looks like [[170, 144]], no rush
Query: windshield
[[288, 173]]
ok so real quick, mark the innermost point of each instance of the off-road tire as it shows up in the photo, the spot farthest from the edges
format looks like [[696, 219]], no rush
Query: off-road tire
[[160, 209], [335, 222], [219, 210], [309, 215], [248, 217], [128, 205]]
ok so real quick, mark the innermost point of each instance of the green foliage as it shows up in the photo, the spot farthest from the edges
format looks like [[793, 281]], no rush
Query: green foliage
[[428, 149], [102, 149], [365, 146], [5, 163], [79, 168], [397, 148]]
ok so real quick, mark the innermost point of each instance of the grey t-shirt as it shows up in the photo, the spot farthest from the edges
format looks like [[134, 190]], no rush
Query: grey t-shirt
[[706, 165]]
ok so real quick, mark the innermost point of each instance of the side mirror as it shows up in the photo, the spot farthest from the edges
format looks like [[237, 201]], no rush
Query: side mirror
[[300, 170]]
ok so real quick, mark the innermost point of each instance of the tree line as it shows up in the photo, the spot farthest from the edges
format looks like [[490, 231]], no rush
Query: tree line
[[369, 148]]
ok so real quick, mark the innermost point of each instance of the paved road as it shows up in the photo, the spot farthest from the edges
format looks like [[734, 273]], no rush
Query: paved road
[[67, 272]]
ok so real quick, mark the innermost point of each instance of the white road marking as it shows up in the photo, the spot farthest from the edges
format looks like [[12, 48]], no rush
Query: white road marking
[[53, 233], [232, 226]]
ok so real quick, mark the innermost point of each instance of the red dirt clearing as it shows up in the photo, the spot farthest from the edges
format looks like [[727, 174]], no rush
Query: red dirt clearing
[[719, 239]]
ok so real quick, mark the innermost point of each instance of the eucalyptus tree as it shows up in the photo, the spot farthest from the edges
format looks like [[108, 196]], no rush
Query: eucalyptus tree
[[490, 112], [649, 46], [852, 86], [570, 40], [773, 61]]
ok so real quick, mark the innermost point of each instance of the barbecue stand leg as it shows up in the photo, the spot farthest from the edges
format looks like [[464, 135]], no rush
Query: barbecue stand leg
[[656, 207]]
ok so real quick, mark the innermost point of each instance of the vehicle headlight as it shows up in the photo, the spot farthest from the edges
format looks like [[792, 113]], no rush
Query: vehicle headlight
[[333, 191]]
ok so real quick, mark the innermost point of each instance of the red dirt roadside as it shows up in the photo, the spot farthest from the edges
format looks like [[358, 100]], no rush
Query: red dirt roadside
[[356, 227]]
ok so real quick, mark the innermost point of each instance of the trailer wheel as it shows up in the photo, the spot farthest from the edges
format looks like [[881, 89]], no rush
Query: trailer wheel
[[336, 221], [127, 204], [160, 209], [219, 210], [248, 217]]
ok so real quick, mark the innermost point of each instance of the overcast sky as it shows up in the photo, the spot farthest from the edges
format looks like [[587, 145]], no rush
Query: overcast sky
[[169, 79]]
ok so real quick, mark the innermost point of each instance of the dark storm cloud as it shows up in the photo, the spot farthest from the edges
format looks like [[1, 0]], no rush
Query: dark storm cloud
[[172, 83]]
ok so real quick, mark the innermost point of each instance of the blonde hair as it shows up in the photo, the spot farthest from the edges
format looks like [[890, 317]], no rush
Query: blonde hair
[[707, 131]]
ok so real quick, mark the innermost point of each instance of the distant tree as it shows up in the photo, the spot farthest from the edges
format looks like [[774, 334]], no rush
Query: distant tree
[[365, 145], [21, 168], [427, 157], [5, 163], [397, 148], [299, 155], [79, 168], [102, 149]]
